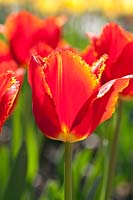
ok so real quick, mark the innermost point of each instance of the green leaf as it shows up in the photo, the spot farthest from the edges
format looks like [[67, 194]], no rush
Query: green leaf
[[4, 167], [52, 192], [80, 164], [17, 180], [32, 153]]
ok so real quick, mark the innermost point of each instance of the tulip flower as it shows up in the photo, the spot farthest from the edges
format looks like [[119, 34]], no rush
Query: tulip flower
[[26, 32], [68, 101], [117, 43], [9, 89]]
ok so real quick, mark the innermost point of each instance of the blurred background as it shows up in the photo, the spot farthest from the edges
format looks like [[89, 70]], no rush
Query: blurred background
[[31, 166]]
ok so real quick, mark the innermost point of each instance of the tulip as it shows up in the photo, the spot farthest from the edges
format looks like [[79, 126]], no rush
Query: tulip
[[68, 101], [9, 89], [25, 32], [117, 43]]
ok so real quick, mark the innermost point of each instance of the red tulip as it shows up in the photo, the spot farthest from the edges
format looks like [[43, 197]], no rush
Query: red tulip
[[68, 102], [26, 31], [11, 76], [9, 89], [118, 45]]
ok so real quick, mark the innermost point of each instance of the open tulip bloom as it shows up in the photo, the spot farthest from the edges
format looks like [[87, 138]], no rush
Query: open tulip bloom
[[117, 43], [68, 99], [67, 95], [25, 32]]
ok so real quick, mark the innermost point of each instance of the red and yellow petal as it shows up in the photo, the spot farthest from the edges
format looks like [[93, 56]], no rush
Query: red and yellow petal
[[127, 93], [98, 109], [99, 66], [11, 65], [8, 93], [71, 83], [111, 41], [6, 80], [107, 98], [43, 104], [61, 85]]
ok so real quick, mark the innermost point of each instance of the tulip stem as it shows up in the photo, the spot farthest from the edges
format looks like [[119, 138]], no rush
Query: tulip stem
[[68, 172], [113, 153]]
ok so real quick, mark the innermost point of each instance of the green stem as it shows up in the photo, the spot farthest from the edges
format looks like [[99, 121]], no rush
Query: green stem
[[68, 172], [113, 153]]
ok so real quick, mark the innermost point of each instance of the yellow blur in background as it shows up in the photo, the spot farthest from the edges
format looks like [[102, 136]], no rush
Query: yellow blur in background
[[108, 7]]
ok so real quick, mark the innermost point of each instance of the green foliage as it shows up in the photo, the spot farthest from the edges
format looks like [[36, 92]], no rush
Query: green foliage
[[53, 191], [17, 179], [74, 38], [4, 168]]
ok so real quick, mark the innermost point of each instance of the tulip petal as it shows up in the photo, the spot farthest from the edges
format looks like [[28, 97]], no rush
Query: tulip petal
[[49, 32], [19, 35], [108, 93], [43, 105], [71, 83], [9, 89], [26, 31], [42, 49], [112, 41], [122, 67], [89, 55], [99, 109], [124, 64], [11, 65], [8, 66], [99, 66]]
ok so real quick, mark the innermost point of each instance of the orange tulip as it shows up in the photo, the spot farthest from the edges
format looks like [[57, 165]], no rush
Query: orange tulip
[[68, 101], [9, 89], [117, 43]]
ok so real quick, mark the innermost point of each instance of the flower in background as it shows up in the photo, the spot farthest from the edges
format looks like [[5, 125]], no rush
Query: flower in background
[[117, 43], [11, 77], [26, 32], [68, 101], [9, 89]]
